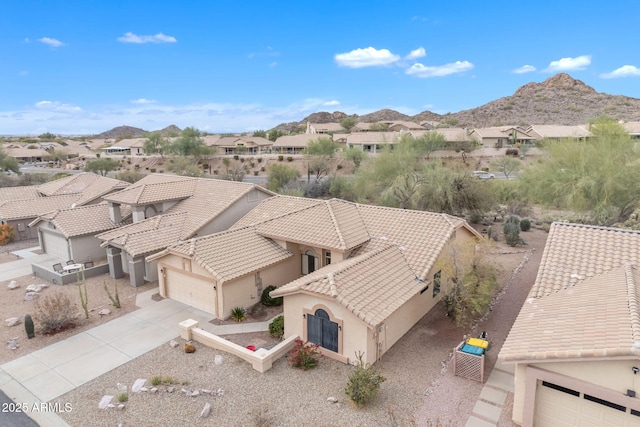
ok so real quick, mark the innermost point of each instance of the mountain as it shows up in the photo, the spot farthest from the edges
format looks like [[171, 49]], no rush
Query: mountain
[[559, 100], [122, 132]]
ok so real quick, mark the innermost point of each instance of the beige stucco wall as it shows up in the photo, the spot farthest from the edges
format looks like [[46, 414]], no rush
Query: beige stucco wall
[[23, 224], [86, 248], [520, 374], [233, 213]]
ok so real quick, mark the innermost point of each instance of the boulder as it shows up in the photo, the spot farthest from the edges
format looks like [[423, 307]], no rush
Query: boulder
[[12, 344], [13, 285], [105, 402], [12, 321], [206, 410], [138, 385], [104, 312], [173, 343], [30, 296]]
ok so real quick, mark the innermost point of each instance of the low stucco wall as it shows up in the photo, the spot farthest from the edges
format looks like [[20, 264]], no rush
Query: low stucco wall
[[67, 278], [261, 360]]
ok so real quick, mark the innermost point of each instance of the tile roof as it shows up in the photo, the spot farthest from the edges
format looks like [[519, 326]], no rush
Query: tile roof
[[150, 235], [632, 127], [300, 141], [333, 224], [230, 254], [574, 252], [31, 208], [598, 317], [558, 131], [373, 138], [80, 220], [20, 153], [155, 188], [232, 141], [326, 127], [372, 285], [90, 184], [15, 193], [422, 235]]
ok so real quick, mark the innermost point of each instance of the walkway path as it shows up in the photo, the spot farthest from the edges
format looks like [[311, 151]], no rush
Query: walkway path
[[52, 371], [486, 412]]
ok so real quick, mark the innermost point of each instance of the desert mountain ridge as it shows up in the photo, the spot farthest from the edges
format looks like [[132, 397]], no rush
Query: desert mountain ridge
[[133, 132], [559, 100]]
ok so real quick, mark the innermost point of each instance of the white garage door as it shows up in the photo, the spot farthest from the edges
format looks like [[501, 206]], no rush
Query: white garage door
[[56, 245], [557, 406], [190, 290]]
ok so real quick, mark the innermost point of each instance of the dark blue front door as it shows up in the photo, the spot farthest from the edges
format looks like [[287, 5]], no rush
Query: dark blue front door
[[322, 331]]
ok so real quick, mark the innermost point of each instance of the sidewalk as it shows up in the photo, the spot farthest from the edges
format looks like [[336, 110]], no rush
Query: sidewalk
[[57, 369]]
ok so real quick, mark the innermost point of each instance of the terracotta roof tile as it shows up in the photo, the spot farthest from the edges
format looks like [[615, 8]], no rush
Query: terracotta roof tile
[[155, 189], [598, 317], [31, 208], [90, 185], [80, 220], [16, 193], [372, 285], [232, 253], [274, 207], [575, 252]]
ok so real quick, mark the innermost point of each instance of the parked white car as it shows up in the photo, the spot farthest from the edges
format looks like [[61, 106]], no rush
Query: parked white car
[[483, 175]]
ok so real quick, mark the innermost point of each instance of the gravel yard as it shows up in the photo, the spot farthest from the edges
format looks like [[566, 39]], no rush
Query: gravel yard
[[419, 385]]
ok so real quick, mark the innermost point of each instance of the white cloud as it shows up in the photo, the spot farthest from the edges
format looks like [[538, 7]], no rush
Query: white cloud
[[56, 106], [158, 38], [24, 73], [273, 64], [331, 103], [569, 64], [524, 69], [367, 57], [418, 53], [49, 41], [624, 71], [143, 101], [424, 71]]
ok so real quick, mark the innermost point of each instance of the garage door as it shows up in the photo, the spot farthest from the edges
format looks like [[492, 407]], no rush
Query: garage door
[[189, 290], [557, 406], [56, 245]]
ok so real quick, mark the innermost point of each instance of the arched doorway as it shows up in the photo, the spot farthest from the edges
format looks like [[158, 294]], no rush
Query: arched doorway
[[322, 331]]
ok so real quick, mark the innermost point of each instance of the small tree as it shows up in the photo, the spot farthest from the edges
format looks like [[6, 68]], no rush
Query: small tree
[[279, 175], [356, 155], [511, 230], [348, 122], [364, 382], [323, 146], [507, 165], [156, 143], [102, 166]]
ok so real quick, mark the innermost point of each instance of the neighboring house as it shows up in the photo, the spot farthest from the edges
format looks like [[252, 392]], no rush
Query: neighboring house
[[454, 137], [499, 136], [576, 342], [323, 128], [19, 207], [558, 132], [27, 154], [401, 125], [135, 145], [70, 234], [242, 145], [372, 142], [353, 277], [166, 209], [293, 144], [633, 128]]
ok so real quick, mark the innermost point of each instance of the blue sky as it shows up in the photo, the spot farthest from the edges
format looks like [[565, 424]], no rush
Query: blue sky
[[82, 67]]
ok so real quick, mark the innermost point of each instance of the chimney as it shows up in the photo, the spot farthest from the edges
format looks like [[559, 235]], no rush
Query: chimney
[[114, 212]]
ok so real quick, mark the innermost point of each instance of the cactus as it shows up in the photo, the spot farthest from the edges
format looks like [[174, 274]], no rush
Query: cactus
[[489, 232], [28, 326], [84, 301]]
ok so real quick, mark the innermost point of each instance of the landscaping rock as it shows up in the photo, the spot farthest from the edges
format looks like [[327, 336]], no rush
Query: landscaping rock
[[105, 401], [332, 399], [121, 387], [12, 321], [206, 410], [138, 385], [170, 389], [30, 296], [12, 344], [13, 285], [195, 393], [121, 406], [173, 343], [218, 360], [34, 288], [154, 390], [144, 389], [205, 391], [104, 312]]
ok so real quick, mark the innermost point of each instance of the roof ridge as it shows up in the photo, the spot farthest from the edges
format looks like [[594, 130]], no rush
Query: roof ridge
[[336, 226], [632, 298]]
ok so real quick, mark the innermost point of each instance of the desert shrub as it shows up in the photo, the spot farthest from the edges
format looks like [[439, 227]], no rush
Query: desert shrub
[[289, 159], [238, 314], [54, 313], [156, 381], [364, 382], [259, 159], [123, 397], [276, 327], [152, 170], [280, 158], [255, 173], [236, 157], [262, 169], [338, 166], [28, 326], [511, 230], [7, 234], [511, 152], [304, 355], [265, 299], [525, 225]]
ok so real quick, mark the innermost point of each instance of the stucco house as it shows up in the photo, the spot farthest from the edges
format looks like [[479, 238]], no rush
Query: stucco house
[[500, 136], [576, 342], [19, 207], [293, 144], [354, 277], [166, 209], [245, 144], [70, 234], [558, 132]]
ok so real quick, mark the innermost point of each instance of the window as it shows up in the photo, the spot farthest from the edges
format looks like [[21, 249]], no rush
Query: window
[[436, 283], [322, 331], [560, 388], [327, 257], [309, 262]]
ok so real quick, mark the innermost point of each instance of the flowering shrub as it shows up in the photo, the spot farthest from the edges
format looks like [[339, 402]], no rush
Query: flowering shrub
[[7, 234], [304, 355]]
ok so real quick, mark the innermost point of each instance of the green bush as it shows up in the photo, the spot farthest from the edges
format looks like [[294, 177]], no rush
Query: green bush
[[289, 159], [525, 225], [511, 230], [255, 173], [265, 299], [304, 355], [364, 382], [259, 159], [238, 314], [280, 158], [276, 327], [236, 157], [156, 381], [123, 397]]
